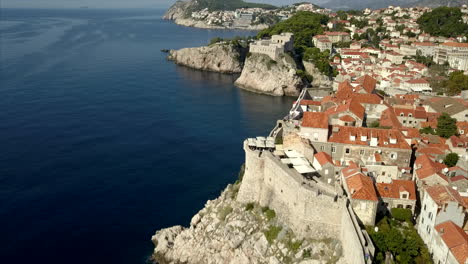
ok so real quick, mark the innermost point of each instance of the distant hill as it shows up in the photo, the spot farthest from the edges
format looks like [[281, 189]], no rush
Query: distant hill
[[376, 4], [213, 5]]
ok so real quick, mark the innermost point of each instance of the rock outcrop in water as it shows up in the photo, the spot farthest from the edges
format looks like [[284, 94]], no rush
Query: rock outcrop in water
[[224, 58], [226, 231], [275, 77]]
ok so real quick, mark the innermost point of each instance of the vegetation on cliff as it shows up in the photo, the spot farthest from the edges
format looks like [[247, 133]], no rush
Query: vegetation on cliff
[[303, 24], [443, 21]]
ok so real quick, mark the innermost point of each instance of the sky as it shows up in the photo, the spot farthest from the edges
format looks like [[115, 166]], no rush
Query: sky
[[113, 3]]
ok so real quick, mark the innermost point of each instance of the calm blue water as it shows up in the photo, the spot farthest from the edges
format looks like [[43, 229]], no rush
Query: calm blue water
[[103, 141]]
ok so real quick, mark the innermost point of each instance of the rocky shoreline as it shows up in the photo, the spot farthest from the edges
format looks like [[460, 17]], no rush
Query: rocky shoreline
[[227, 231], [223, 58]]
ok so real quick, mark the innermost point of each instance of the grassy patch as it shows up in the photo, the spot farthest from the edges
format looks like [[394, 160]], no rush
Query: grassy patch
[[272, 233], [224, 212], [269, 213]]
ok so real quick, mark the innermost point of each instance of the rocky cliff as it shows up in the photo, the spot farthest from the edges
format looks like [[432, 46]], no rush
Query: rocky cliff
[[225, 58], [275, 77], [226, 231], [319, 80]]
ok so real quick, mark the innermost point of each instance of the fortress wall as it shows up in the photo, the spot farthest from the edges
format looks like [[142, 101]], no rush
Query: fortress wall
[[301, 206]]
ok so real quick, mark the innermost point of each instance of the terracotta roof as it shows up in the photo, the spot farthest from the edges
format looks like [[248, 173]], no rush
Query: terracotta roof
[[444, 194], [388, 118], [315, 119], [347, 118], [455, 238], [367, 82], [392, 190], [459, 142], [323, 158], [382, 135], [425, 167], [455, 44], [351, 106], [309, 102], [361, 187], [328, 33]]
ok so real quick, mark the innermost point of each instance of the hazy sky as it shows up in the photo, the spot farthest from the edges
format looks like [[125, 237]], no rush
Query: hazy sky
[[113, 3]]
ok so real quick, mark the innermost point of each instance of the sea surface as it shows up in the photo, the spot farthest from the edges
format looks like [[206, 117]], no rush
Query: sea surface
[[103, 141]]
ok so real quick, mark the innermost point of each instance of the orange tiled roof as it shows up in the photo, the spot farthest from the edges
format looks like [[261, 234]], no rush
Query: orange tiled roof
[[315, 119], [425, 167], [382, 135], [361, 187], [392, 190], [367, 82], [455, 238], [323, 158], [444, 194], [455, 44]]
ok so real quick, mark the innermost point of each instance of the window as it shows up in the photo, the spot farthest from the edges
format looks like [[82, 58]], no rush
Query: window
[[430, 216], [326, 172], [404, 196], [361, 152], [347, 151], [401, 114], [315, 136], [333, 149], [400, 206], [363, 206], [404, 121], [393, 155], [424, 207], [322, 148], [383, 173], [410, 122], [408, 207], [422, 220]]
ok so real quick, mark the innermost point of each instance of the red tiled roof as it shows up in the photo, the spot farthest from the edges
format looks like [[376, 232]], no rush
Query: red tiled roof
[[361, 187], [347, 118], [351, 106], [455, 238], [444, 194], [382, 135], [323, 158], [392, 190], [455, 44], [428, 167], [315, 119], [367, 82]]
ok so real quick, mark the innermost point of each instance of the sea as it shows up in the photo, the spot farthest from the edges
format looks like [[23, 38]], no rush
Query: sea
[[103, 141]]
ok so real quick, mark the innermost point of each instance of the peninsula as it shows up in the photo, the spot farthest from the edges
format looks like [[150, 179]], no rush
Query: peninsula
[[232, 14]]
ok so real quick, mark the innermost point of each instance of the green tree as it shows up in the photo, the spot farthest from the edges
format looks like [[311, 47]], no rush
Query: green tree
[[451, 159], [446, 126], [457, 82], [427, 130], [303, 24], [443, 21]]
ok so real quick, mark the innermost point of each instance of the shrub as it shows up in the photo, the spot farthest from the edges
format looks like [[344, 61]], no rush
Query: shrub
[[451, 159], [270, 214], [224, 212], [249, 206], [306, 253], [401, 214], [272, 233], [294, 246]]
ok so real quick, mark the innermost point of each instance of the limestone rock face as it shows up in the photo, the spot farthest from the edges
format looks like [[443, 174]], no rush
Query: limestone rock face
[[224, 58], [226, 231], [263, 75], [320, 80]]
